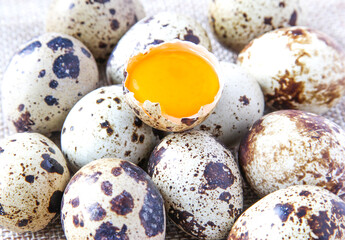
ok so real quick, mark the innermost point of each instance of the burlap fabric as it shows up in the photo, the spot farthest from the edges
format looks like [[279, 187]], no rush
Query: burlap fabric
[[20, 20]]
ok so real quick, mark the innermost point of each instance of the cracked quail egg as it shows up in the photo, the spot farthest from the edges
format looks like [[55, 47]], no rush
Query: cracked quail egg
[[108, 128], [297, 212], [44, 80], [99, 24], [164, 89], [297, 68], [241, 104], [33, 177], [112, 199], [153, 30], [200, 183], [291, 147], [236, 22]]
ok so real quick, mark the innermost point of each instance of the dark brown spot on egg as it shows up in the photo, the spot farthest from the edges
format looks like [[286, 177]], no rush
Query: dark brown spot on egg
[[102, 45], [99, 100], [152, 212], [134, 171], [137, 122], [50, 100], [94, 177], [117, 100], [187, 222], [53, 84], [22, 223], [102, 1], [24, 123], [50, 149], [112, 11], [244, 100], [76, 221], [322, 226], [96, 212], [2, 150], [75, 202], [225, 196], [116, 171], [283, 211], [107, 188], [2, 211], [55, 202], [107, 231], [268, 20], [30, 178], [51, 165], [189, 121], [217, 175], [141, 138], [155, 158], [134, 137], [42, 73], [106, 125], [66, 66], [304, 193], [302, 211], [338, 209], [21, 107], [293, 18], [122, 204], [60, 43], [191, 37], [127, 153], [114, 24]]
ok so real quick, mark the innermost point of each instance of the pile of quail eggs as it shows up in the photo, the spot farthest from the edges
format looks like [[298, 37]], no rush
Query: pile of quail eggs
[[291, 157]]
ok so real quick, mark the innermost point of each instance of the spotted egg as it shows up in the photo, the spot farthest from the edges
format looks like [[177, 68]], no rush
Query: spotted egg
[[200, 183], [150, 31], [297, 68], [33, 177], [98, 24], [235, 23], [241, 104], [297, 212], [112, 199], [291, 147], [109, 129], [44, 80]]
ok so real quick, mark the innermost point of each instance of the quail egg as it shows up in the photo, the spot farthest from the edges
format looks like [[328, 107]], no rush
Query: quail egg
[[291, 147], [297, 212], [112, 199], [164, 90], [235, 23], [99, 24], [33, 177], [108, 129], [297, 68], [150, 31], [200, 183], [241, 104], [44, 80]]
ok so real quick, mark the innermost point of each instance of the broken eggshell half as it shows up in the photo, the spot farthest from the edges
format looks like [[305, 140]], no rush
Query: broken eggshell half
[[152, 112]]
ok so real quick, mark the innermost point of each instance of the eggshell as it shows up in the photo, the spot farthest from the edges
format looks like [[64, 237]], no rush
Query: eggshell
[[108, 129], [150, 31], [33, 177], [99, 24], [291, 147], [241, 104], [44, 80], [112, 199], [150, 112], [297, 212], [200, 183], [297, 68], [237, 22]]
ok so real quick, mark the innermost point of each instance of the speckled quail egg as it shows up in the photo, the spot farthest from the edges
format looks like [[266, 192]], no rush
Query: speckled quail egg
[[164, 89], [112, 199], [297, 212], [153, 30], [241, 104], [236, 22], [200, 183], [33, 177], [291, 147], [99, 24], [44, 80], [108, 129], [297, 68]]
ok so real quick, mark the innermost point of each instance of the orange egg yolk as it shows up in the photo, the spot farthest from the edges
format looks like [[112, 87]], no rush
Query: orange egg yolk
[[178, 78]]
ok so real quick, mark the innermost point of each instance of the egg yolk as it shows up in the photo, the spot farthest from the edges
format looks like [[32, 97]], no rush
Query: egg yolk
[[178, 78]]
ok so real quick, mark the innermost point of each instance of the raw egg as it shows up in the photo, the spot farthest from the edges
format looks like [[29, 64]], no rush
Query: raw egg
[[173, 86]]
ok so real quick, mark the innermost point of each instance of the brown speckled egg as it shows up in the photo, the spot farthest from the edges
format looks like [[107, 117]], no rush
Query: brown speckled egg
[[241, 104], [237, 22], [44, 80], [33, 177], [297, 212], [200, 183], [150, 31], [108, 129], [291, 147], [297, 68], [99, 24], [112, 199]]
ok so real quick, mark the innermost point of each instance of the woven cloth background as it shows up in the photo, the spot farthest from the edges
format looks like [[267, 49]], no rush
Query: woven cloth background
[[20, 20]]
